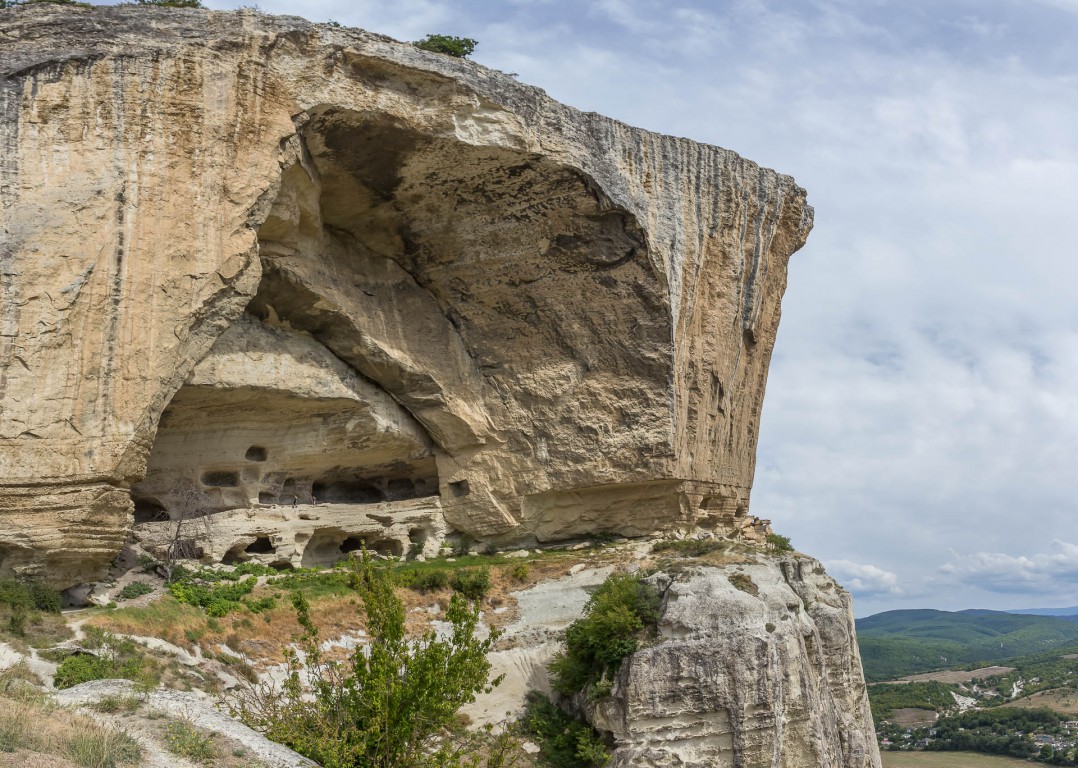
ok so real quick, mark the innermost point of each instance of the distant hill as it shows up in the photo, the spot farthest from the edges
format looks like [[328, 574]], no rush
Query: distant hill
[[899, 643], [1069, 613]]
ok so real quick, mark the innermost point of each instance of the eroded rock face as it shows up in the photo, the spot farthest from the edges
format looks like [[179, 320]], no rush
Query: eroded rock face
[[265, 259], [758, 666]]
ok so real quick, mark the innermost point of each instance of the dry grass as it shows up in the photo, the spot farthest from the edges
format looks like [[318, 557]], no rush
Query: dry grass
[[1062, 700], [43, 630], [912, 717], [947, 760], [956, 676], [46, 735], [262, 637]]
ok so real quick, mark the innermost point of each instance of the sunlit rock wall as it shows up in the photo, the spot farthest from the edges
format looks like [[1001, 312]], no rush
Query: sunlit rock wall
[[380, 272]]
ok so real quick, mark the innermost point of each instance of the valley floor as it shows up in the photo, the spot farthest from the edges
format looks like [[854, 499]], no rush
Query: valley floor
[[947, 760]]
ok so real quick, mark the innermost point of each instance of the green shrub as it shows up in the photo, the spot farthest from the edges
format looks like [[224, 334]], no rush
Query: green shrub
[[219, 600], [173, 3], [83, 667], [620, 612], [30, 594], [115, 658], [564, 741], [422, 580], [689, 547], [519, 572], [458, 47], [386, 706], [184, 739], [135, 589], [473, 583], [780, 544]]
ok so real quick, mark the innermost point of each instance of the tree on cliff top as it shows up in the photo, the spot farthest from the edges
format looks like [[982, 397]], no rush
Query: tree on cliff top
[[458, 47]]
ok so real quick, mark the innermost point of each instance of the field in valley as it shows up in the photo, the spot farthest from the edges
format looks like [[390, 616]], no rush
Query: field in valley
[[1062, 700], [947, 760], [956, 675]]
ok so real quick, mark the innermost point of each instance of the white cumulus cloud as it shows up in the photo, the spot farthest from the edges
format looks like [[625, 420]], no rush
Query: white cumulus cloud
[[1048, 573], [864, 580]]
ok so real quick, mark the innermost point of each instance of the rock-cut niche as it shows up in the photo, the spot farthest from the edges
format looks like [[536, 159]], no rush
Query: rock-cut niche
[[410, 284]]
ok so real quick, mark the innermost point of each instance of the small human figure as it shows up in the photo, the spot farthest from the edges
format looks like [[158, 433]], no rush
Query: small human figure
[[295, 501]]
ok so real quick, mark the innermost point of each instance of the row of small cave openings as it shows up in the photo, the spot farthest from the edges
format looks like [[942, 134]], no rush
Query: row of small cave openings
[[280, 489], [324, 547]]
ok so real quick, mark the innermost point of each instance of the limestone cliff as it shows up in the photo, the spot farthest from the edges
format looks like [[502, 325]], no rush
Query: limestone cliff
[[265, 263], [758, 666]]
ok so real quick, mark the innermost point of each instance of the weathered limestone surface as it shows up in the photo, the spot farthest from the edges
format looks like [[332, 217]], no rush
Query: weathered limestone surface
[[758, 666], [396, 273]]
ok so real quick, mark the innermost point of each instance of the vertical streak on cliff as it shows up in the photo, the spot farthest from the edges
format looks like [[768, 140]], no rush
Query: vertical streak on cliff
[[10, 97]]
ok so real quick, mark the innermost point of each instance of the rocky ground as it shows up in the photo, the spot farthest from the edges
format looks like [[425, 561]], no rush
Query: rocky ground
[[725, 602]]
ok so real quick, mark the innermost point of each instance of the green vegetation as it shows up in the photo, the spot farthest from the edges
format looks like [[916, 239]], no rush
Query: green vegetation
[[899, 643], [135, 589], [996, 732], [620, 612], [690, 547], [473, 584], [564, 741], [387, 705], [184, 739], [13, 3], [173, 3], [458, 47], [113, 658], [32, 610], [885, 698], [779, 544]]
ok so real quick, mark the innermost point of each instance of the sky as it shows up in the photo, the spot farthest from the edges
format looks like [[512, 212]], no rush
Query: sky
[[920, 429]]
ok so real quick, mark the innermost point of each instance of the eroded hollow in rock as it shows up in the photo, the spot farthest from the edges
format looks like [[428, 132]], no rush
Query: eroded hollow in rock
[[425, 302]]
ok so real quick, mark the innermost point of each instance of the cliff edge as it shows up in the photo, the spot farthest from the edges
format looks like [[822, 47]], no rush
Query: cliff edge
[[255, 263]]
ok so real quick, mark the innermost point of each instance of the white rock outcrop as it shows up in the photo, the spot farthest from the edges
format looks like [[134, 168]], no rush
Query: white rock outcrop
[[757, 666]]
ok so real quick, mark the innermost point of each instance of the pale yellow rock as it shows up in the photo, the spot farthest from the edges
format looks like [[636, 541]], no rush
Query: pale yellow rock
[[561, 323]]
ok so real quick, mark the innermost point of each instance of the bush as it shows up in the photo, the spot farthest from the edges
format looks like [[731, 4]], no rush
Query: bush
[[218, 600], [780, 544], [30, 594], [173, 3], [135, 589], [615, 618], [520, 572], [386, 706], [565, 742], [458, 47], [472, 583], [183, 739], [115, 658], [689, 547], [423, 580]]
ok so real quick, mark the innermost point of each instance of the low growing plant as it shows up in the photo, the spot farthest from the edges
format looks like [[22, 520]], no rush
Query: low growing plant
[[620, 612], [135, 589]]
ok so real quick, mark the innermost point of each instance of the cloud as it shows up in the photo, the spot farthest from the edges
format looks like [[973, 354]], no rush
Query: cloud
[[864, 580], [1046, 573]]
